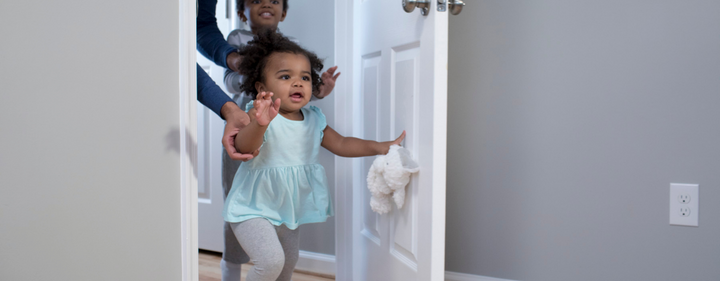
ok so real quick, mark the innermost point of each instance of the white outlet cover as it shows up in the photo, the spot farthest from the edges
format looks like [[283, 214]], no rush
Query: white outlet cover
[[684, 212]]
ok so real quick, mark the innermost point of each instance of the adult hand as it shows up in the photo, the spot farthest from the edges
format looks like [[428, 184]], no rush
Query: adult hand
[[328, 77], [233, 61], [236, 120]]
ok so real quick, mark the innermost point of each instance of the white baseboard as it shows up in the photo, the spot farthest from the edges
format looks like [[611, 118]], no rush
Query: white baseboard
[[325, 264], [456, 276], [315, 262]]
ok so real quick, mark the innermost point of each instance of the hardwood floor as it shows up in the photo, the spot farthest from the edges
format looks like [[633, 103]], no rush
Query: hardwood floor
[[210, 269]]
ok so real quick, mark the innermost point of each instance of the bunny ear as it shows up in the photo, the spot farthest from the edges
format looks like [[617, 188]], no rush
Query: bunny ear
[[407, 162], [413, 170]]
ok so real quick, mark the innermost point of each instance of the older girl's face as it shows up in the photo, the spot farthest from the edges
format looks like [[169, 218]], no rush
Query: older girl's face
[[263, 14], [288, 77]]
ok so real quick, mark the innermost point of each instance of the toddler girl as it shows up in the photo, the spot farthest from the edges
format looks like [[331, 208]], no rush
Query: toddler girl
[[284, 186]]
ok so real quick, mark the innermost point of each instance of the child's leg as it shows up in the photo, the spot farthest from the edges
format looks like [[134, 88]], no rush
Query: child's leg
[[259, 239], [233, 254], [289, 239], [233, 257], [230, 271]]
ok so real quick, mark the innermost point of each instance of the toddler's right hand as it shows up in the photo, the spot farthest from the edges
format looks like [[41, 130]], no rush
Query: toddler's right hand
[[266, 109]]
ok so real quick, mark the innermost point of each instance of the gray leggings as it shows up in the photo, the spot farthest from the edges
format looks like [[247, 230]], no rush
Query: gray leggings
[[272, 249], [232, 252]]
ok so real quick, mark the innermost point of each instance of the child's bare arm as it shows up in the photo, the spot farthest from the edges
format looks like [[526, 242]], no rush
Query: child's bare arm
[[250, 138], [354, 147]]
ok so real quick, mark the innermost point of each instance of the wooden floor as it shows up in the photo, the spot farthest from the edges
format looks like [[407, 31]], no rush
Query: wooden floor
[[210, 269]]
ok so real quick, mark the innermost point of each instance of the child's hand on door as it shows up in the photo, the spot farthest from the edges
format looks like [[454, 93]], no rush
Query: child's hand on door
[[385, 146]]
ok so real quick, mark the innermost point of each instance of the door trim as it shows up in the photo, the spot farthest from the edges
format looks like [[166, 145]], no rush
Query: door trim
[[344, 89], [188, 148]]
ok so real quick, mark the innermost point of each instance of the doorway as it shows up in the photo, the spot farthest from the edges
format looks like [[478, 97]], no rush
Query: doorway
[[408, 59], [312, 23]]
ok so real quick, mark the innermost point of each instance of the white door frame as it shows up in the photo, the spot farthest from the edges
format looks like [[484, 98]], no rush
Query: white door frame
[[188, 148], [344, 47], [345, 90]]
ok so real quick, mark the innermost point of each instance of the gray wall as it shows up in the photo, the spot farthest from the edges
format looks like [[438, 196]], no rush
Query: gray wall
[[568, 120], [312, 22], [90, 188]]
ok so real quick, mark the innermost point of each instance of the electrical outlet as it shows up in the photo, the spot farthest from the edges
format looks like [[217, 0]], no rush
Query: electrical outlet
[[684, 212], [684, 202]]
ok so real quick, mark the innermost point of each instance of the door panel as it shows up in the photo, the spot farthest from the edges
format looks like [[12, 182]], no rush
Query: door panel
[[371, 227], [403, 86]]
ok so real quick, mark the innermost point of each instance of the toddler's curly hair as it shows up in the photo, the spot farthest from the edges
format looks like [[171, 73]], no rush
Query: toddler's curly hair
[[255, 57]]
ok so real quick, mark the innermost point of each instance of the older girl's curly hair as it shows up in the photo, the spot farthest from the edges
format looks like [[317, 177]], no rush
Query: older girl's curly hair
[[255, 57]]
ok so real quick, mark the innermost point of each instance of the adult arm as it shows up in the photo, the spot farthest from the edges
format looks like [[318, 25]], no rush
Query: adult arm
[[210, 41], [210, 95]]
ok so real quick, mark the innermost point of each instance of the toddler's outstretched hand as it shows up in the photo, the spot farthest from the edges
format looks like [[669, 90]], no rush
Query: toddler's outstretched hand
[[386, 145], [266, 109], [328, 77]]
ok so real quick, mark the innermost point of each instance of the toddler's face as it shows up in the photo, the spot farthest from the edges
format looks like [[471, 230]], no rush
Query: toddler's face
[[263, 14], [288, 77]]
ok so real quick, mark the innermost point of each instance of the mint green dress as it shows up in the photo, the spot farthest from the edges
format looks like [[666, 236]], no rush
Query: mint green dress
[[284, 183]]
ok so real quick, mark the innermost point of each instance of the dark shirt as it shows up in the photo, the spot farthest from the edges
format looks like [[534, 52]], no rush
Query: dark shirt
[[212, 45]]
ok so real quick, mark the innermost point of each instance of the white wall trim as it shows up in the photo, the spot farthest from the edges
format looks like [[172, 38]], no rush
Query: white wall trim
[[188, 150], [316, 262], [456, 276], [325, 264], [343, 124]]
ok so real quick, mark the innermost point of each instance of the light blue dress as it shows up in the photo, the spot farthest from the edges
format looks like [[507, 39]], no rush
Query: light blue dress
[[284, 183]]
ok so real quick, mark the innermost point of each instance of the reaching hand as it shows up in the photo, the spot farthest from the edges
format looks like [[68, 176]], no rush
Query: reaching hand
[[266, 109], [385, 146], [236, 120], [328, 82], [399, 140], [233, 61]]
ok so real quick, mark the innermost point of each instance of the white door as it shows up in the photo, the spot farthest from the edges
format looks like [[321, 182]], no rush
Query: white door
[[210, 130], [400, 63]]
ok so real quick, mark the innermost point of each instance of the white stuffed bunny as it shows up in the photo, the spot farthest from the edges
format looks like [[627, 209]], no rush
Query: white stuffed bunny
[[388, 176]]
